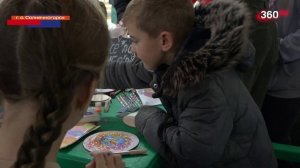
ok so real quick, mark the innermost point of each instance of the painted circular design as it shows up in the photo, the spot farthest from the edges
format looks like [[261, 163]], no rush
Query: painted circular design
[[114, 141]]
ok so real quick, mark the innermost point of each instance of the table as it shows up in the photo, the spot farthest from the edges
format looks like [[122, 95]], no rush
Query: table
[[287, 152], [75, 156]]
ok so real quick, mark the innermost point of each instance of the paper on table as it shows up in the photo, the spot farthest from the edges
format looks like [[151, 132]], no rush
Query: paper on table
[[146, 97], [77, 132]]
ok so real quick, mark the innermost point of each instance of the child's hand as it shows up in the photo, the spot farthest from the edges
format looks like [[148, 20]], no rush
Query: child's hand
[[106, 160]]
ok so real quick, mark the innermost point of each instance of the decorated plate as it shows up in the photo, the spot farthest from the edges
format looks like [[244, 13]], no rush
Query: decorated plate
[[114, 141]]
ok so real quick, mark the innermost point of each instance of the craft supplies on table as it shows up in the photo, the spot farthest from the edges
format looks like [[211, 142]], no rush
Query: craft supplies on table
[[134, 152], [77, 156], [130, 102], [91, 115], [115, 93], [101, 102]]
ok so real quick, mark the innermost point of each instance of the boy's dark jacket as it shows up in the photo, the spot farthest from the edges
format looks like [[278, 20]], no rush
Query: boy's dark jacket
[[211, 119]]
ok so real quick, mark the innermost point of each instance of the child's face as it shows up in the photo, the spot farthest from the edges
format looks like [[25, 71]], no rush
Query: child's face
[[146, 48]]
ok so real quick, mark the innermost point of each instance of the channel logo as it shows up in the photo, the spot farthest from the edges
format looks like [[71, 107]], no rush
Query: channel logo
[[38, 21]]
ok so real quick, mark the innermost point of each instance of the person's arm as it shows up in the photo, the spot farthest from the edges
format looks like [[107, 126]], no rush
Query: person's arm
[[200, 135], [248, 57], [120, 6], [289, 46], [122, 75]]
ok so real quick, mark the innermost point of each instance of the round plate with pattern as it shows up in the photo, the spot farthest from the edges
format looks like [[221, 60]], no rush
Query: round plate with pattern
[[114, 141]]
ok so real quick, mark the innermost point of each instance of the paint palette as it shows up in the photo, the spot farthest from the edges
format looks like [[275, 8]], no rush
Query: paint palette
[[114, 141], [77, 132]]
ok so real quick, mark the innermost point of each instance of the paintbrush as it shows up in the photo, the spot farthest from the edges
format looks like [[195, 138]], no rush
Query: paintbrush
[[115, 93], [133, 152], [130, 152]]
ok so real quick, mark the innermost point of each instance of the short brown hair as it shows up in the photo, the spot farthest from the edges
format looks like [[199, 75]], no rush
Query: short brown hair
[[155, 16]]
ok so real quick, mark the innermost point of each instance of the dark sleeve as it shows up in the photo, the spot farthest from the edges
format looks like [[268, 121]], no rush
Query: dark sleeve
[[122, 75], [264, 38], [290, 44], [248, 58], [120, 6], [200, 135], [290, 47]]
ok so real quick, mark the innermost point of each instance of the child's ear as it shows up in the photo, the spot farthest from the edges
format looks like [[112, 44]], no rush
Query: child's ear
[[166, 41]]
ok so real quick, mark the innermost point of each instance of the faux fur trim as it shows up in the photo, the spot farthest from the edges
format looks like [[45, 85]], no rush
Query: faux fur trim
[[228, 21]]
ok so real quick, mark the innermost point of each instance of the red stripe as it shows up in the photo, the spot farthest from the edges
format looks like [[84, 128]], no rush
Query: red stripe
[[207, 2], [283, 12], [23, 22]]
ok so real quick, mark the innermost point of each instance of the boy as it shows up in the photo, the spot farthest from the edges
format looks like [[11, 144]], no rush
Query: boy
[[211, 119]]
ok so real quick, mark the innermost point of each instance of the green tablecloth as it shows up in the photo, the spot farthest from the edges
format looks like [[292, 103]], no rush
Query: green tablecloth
[[75, 156]]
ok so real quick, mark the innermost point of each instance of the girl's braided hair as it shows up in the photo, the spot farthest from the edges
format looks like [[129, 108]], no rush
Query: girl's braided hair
[[48, 64]]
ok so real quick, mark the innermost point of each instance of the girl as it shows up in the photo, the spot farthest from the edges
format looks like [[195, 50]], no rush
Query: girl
[[47, 77]]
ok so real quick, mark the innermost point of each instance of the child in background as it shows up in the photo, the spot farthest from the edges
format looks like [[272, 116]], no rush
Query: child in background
[[47, 78], [211, 119]]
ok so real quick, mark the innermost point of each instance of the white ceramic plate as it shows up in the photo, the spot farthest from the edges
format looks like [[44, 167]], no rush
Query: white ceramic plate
[[100, 98], [130, 119], [114, 141], [104, 90]]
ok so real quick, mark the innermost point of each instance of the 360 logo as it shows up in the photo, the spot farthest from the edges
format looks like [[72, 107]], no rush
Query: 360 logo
[[268, 15]]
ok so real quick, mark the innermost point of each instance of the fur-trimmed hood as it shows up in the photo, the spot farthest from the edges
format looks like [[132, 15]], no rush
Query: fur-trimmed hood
[[223, 28]]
